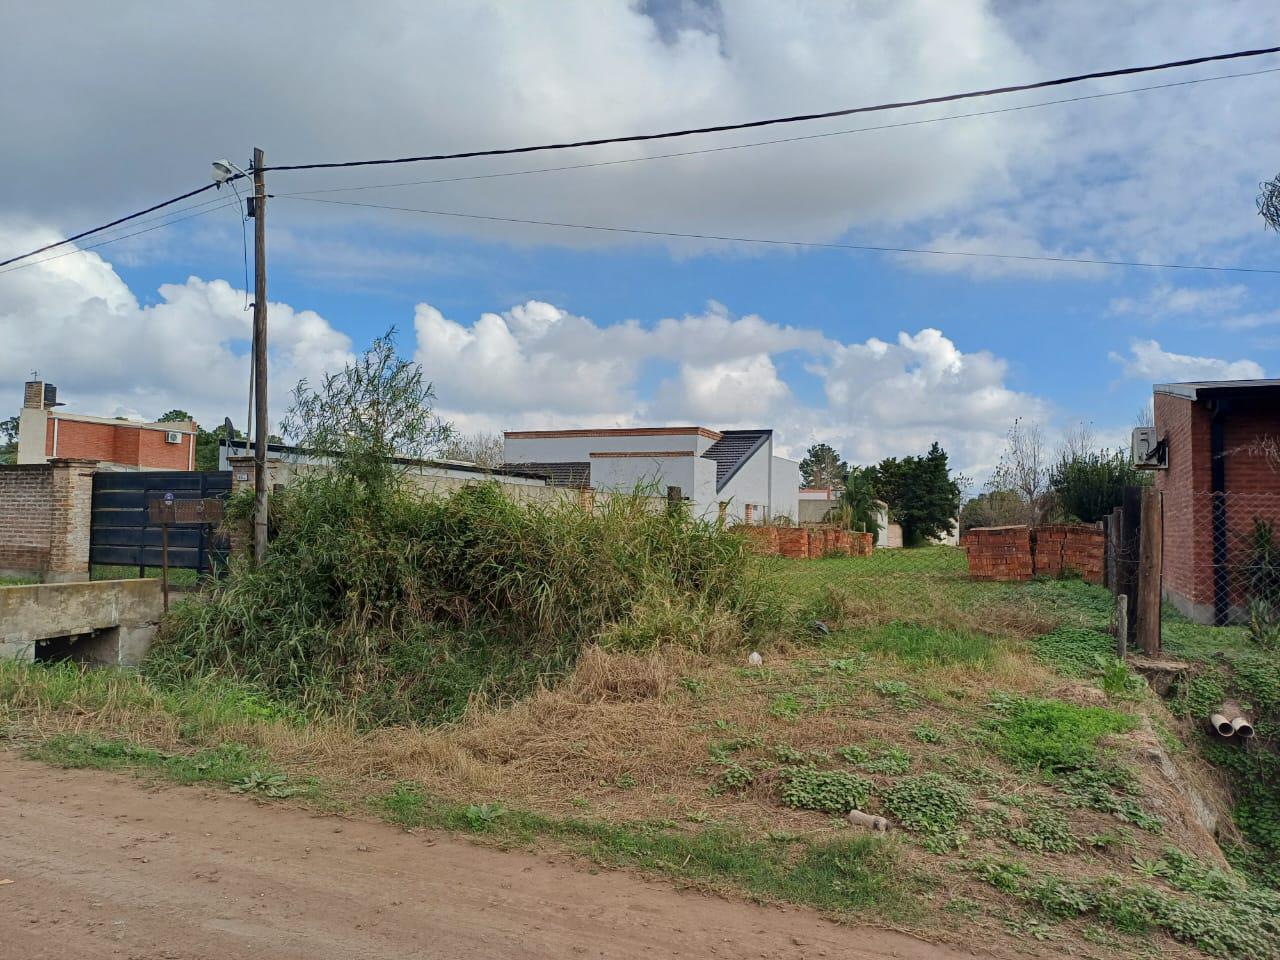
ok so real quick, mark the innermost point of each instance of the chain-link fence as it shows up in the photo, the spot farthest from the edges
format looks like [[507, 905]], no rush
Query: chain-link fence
[[1222, 557]]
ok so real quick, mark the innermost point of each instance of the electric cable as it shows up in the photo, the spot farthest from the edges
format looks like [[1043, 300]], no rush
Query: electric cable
[[792, 243]]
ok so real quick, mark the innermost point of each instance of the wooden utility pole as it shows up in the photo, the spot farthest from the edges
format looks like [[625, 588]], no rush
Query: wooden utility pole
[[259, 356], [1150, 571]]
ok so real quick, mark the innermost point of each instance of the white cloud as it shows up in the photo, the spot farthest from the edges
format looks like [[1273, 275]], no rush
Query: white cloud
[[76, 321], [1166, 300], [537, 366], [533, 365], [1147, 360]]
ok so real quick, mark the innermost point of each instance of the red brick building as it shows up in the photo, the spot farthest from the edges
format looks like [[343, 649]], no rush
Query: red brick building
[[45, 433], [1222, 475]]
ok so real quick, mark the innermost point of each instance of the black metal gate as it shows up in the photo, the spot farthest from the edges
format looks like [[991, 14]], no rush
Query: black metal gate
[[121, 533]]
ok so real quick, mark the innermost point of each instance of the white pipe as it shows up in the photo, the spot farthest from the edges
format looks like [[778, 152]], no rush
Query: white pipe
[[1222, 725], [1242, 728]]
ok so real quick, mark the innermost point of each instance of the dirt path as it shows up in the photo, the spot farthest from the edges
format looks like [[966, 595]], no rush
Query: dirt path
[[104, 866]]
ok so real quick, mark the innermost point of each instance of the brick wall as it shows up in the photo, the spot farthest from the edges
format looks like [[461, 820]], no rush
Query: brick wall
[[125, 444], [999, 553], [45, 514], [1252, 488], [25, 520], [802, 543], [1020, 553], [1188, 538]]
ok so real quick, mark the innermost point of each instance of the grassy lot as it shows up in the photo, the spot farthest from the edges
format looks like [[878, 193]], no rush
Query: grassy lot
[[1017, 763]]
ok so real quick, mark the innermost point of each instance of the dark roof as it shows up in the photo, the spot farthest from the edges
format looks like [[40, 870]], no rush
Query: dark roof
[[564, 473], [732, 450], [1207, 388]]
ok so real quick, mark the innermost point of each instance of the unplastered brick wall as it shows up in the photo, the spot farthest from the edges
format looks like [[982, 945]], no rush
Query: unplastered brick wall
[[1020, 553], [45, 513], [803, 543], [25, 517]]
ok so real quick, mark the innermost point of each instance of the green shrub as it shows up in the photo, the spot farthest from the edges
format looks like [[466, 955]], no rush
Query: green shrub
[[393, 607]]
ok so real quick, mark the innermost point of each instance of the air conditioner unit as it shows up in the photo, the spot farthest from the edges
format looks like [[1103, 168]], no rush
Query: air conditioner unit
[[1148, 450], [172, 436]]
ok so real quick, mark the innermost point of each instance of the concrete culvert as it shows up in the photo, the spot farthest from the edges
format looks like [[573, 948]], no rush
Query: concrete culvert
[[1221, 725], [1242, 728]]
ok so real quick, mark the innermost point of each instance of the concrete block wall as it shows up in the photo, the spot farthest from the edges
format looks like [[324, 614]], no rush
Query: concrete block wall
[[45, 513]]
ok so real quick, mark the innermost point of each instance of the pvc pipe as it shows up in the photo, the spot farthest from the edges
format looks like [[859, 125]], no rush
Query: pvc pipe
[[1221, 725], [1242, 728]]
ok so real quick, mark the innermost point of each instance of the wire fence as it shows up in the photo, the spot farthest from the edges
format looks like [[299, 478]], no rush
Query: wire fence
[[1222, 556]]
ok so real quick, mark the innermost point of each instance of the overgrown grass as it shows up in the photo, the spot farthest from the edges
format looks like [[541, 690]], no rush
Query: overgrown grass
[[392, 607]]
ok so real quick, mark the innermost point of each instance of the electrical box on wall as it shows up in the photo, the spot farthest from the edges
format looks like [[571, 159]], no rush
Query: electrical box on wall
[[1149, 452]]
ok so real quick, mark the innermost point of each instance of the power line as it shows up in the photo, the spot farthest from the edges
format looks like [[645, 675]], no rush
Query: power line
[[765, 143], [102, 243], [635, 138], [106, 226], [796, 118], [637, 231]]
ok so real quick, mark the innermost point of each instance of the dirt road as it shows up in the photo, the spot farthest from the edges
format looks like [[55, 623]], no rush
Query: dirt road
[[104, 866]]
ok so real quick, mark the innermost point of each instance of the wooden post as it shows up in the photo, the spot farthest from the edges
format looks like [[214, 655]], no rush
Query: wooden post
[[1122, 625], [675, 496], [259, 356], [1150, 571], [1126, 552]]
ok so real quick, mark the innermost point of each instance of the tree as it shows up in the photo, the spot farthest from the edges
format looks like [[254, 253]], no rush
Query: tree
[[8, 440], [823, 468], [994, 508], [175, 416], [482, 449], [921, 493], [1024, 469], [857, 508], [1088, 484], [376, 410]]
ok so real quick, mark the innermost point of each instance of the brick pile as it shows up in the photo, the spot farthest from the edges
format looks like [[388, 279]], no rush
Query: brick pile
[[1020, 553], [793, 542], [802, 543], [999, 553], [1070, 548]]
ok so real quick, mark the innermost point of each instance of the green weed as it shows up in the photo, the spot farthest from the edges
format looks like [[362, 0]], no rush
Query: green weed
[[826, 791]]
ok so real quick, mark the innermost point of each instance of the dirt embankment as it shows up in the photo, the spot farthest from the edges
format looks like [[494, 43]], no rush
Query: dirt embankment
[[102, 866]]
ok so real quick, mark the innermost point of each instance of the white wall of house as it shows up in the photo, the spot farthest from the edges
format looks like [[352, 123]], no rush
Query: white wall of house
[[784, 496], [668, 457]]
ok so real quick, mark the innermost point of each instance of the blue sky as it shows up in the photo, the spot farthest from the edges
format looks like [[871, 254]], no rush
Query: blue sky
[[522, 326]]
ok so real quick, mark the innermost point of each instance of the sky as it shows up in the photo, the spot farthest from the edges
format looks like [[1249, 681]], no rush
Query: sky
[[522, 326]]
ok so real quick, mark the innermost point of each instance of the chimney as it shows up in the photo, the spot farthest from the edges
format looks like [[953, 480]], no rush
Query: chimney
[[33, 395], [38, 395]]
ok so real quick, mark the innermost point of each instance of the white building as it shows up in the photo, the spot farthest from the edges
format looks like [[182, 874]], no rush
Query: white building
[[729, 473]]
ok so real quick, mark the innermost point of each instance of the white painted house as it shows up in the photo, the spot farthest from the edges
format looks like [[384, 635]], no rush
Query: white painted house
[[729, 473]]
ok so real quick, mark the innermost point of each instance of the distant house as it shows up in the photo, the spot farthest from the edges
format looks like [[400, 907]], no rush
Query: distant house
[[733, 474], [815, 504], [1217, 477], [46, 433]]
